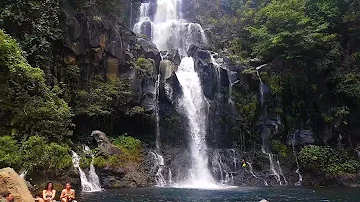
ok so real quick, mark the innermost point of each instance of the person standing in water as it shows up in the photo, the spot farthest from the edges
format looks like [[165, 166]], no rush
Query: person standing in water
[[243, 165], [49, 192], [67, 194]]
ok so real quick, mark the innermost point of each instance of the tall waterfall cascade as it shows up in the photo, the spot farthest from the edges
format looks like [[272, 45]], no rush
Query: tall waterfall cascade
[[90, 182], [167, 30], [195, 107]]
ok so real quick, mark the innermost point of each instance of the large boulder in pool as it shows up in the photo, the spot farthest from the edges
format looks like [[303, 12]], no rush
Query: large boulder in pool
[[104, 143], [11, 182]]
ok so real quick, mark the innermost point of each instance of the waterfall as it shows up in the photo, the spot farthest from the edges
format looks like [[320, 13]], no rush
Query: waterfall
[[91, 182], [144, 18], [193, 104], [159, 166], [298, 183], [170, 177], [169, 31], [23, 174], [276, 172], [159, 159]]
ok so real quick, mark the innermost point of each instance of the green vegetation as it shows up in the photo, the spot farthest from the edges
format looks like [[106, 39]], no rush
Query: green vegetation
[[327, 160], [28, 106], [144, 67], [280, 149], [129, 159], [33, 155], [101, 97], [45, 99]]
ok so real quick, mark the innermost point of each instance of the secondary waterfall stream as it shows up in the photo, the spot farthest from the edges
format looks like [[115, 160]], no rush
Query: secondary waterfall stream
[[168, 31], [90, 182]]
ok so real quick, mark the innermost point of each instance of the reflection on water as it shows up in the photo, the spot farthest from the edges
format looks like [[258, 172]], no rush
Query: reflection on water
[[243, 194]]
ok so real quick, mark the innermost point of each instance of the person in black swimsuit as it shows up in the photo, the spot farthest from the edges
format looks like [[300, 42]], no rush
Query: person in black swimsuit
[[49, 192]]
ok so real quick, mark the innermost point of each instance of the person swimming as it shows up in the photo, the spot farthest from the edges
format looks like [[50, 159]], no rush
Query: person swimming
[[49, 192], [67, 194]]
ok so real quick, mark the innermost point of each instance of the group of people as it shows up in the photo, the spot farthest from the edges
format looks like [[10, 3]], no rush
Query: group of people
[[49, 194]]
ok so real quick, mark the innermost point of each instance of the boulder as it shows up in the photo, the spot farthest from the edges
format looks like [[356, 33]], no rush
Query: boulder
[[348, 180], [115, 49], [255, 62], [148, 100], [173, 55], [11, 182], [301, 137], [149, 50], [146, 29], [166, 70], [104, 143]]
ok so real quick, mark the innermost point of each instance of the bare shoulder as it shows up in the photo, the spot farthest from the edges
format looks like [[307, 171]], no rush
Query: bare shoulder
[[72, 190], [63, 191]]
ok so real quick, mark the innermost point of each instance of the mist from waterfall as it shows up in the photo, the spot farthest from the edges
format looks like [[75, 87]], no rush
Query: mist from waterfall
[[167, 30]]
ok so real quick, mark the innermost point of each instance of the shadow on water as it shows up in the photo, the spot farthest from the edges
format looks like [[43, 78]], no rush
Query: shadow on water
[[245, 194]]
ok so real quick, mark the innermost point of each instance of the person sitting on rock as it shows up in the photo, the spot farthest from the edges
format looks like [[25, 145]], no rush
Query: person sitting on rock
[[7, 197], [67, 194], [49, 192]]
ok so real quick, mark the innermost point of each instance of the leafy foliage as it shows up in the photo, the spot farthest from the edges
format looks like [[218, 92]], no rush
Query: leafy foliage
[[144, 67], [130, 158], [38, 154], [35, 24], [34, 154], [327, 160], [9, 152], [102, 97], [28, 106]]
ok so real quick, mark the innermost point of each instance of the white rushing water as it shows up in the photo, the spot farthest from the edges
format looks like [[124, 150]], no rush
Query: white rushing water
[[193, 103], [90, 183], [170, 31], [23, 174]]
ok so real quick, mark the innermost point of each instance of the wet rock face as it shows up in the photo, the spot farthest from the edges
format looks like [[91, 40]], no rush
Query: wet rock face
[[172, 122], [301, 137], [226, 166], [116, 179], [149, 50], [107, 48], [215, 82]]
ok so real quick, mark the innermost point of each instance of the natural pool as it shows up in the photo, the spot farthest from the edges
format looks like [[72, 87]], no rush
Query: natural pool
[[245, 194]]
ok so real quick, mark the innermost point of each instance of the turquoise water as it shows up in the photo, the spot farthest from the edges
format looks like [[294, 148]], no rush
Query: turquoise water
[[245, 194]]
